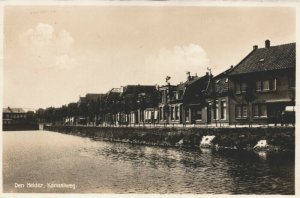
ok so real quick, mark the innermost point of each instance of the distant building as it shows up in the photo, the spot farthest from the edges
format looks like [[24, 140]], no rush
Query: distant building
[[13, 116], [136, 99]]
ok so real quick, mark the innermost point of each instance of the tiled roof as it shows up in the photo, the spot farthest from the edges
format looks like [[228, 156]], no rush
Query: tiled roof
[[13, 110], [267, 59], [221, 81], [221, 85]]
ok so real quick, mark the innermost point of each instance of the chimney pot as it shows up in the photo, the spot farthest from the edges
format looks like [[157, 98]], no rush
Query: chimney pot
[[267, 43], [255, 47]]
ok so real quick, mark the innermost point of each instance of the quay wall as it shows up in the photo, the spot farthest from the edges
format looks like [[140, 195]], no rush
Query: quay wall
[[278, 138], [20, 127]]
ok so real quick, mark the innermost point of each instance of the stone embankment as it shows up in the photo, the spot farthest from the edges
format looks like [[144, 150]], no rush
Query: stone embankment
[[263, 138]]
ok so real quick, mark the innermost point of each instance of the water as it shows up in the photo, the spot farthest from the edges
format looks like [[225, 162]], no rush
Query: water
[[104, 167]]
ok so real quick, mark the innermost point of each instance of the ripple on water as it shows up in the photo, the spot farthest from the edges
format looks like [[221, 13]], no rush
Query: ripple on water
[[104, 167]]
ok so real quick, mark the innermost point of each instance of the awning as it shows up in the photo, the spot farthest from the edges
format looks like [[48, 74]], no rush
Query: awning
[[290, 108]]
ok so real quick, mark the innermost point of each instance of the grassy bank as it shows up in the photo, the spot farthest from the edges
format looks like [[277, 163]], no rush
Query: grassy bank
[[278, 138]]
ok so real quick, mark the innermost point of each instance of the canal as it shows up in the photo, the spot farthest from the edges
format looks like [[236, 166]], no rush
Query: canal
[[42, 161]]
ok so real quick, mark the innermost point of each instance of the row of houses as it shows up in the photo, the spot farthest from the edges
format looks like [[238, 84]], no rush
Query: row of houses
[[260, 89]]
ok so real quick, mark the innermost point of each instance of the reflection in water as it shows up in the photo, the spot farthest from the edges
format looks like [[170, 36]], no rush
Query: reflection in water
[[104, 167]]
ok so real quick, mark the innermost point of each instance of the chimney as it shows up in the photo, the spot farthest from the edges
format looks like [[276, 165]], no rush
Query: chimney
[[255, 47], [267, 44]]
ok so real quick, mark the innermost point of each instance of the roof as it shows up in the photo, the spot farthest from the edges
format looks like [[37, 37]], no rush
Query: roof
[[115, 90], [267, 59], [13, 110], [196, 88], [221, 81]]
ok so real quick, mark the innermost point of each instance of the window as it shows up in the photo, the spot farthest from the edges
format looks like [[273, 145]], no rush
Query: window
[[223, 110], [259, 110], [216, 110], [165, 113], [187, 114], [241, 88], [197, 113], [237, 88], [292, 82], [258, 86], [238, 111], [172, 113], [174, 96], [266, 85], [241, 111], [273, 84], [176, 113], [245, 111], [161, 112]]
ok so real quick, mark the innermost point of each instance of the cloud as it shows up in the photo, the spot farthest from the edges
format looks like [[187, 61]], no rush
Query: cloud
[[175, 62], [48, 48]]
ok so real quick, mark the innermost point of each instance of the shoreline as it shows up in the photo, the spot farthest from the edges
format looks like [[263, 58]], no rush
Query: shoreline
[[278, 139]]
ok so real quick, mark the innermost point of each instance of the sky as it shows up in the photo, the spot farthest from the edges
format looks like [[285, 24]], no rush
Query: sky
[[54, 54]]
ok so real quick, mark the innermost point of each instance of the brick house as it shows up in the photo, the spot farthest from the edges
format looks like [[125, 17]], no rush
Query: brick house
[[263, 84], [182, 104], [218, 100], [195, 91]]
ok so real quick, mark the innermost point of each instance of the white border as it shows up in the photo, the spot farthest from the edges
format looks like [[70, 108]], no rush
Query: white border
[[257, 3]]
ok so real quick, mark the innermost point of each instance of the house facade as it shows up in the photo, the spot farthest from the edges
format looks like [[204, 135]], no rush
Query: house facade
[[264, 85], [196, 90], [183, 104], [166, 92], [217, 111]]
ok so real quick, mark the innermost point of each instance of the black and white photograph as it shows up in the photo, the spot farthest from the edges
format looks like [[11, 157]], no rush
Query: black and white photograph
[[143, 98]]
